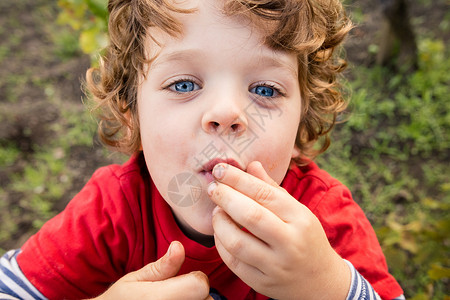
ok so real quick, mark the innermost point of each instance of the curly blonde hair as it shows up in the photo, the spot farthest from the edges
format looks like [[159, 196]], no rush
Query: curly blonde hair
[[312, 29]]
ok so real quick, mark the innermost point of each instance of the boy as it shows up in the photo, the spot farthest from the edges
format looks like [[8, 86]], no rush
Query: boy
[[220, 103]]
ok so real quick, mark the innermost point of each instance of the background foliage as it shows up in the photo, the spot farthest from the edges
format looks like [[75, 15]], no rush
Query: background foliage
[[392, 152], [89, 18]]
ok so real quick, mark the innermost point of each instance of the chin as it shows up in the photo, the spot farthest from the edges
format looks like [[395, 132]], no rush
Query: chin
[[208, 232], [204, 227], [202, 234], [198, 227]]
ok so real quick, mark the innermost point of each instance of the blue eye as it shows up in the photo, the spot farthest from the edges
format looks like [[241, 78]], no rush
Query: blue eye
[[264, 91], [184, 86]]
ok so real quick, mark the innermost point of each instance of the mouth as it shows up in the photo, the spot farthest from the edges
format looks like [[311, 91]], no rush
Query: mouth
[[207, 168]]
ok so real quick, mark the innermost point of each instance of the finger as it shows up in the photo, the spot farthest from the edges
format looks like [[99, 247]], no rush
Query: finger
[[257, 219], [256, 169], [239, 243], [269, 195], [194, 285], [164, 268], [245, 272]]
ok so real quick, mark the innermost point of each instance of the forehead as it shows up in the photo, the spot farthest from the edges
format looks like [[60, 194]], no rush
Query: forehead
[[200, 16], [208, 29]]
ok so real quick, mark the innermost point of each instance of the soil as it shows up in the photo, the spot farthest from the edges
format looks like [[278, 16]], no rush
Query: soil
[[29, 66], [29, 72]]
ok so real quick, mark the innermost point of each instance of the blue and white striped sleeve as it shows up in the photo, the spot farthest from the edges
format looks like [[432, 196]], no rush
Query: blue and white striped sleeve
[[13, 283], [360, 288]]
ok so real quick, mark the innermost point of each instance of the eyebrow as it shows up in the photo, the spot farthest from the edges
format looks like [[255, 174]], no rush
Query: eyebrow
[[263, 60], [182, 55], [272, 61]]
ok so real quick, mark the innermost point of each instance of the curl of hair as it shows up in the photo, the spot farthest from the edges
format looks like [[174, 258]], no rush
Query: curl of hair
[[313, 29], [114, 84]]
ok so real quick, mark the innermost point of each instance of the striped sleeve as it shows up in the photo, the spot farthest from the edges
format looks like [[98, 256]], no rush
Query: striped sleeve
[[13, 283], [360, 288]]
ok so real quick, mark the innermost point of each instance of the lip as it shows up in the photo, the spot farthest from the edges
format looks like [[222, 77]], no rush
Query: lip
[[207, 168], [210, 165]]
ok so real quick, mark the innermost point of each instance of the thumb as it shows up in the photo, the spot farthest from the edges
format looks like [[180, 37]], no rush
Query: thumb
[[164, 268]]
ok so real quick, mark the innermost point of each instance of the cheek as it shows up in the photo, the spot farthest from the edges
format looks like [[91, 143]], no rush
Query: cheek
[[277, 165], [278, 148], [159, 132], [275, 155]]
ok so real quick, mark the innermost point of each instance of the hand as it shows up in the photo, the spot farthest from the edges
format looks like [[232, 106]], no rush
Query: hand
[[284, 252], [158, 281]]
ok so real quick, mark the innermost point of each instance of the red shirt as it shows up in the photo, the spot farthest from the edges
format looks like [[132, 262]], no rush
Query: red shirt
[[119, 222]]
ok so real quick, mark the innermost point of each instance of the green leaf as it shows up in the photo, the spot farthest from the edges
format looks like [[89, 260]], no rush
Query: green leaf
[[98, 8], [88, 40], [438, 272]]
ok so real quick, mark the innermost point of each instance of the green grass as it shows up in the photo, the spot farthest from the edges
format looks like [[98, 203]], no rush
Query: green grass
[[8, 155], [46, 177], [35, 181]]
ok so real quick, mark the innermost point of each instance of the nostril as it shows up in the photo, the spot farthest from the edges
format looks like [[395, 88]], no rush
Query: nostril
[[235, 127], [214, 126]]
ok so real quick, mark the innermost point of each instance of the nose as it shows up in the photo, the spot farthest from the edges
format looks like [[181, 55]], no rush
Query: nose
[[225, 115]]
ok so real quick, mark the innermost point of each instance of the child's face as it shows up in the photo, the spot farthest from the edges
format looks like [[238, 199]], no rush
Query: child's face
[[215, 94]]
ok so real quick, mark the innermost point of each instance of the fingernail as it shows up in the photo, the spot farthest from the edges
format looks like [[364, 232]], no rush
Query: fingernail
[[172, 247], [218, 171], [169, 251], [211, 187], [215, 210]]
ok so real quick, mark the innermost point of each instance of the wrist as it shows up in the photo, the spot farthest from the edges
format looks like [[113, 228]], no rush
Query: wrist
[[330, 280], [336, 281]]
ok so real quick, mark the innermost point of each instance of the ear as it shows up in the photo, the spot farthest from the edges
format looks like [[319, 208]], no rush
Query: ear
[[129, 119], [295, 152]]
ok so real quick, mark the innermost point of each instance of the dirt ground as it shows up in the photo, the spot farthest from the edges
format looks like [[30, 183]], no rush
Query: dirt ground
[[31, 74]]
